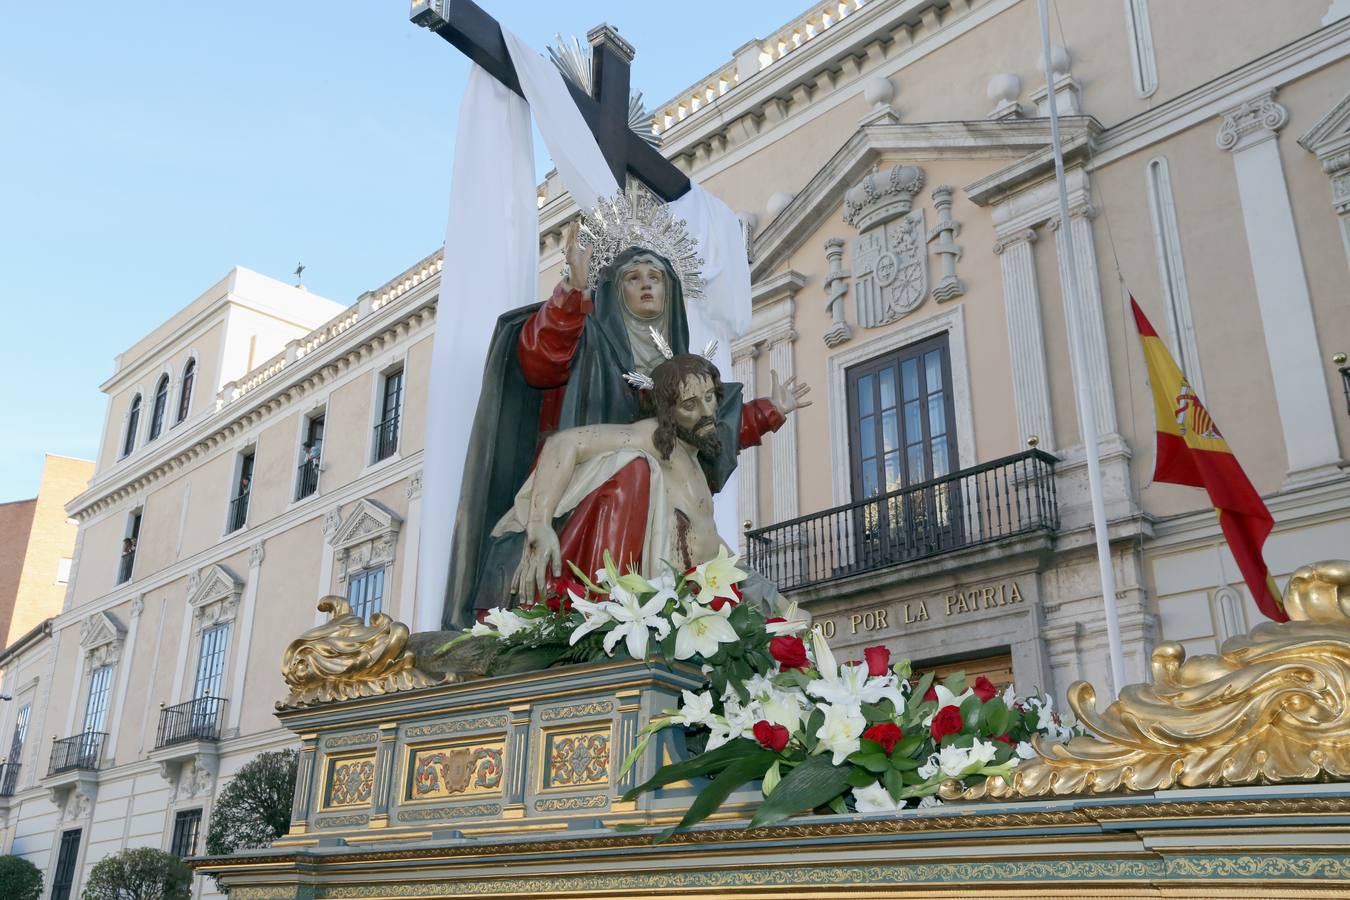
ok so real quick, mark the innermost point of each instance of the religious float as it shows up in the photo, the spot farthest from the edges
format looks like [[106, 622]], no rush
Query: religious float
[[615, 708]]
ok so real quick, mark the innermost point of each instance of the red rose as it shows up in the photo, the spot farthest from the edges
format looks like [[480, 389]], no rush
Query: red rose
[[718, 602], [736, 589], [878, 660], [930, 694], [770, 736], [559, 599], [947, 721], [789, 651], [1003, 738], [887, 734], [774, 619], [984, 689]]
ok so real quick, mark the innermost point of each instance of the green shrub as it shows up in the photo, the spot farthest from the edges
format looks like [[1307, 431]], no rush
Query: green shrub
[[255, 807], [19, 879], [142, 873]]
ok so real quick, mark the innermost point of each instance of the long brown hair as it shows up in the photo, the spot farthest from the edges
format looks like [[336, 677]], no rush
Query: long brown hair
[[661, 400]]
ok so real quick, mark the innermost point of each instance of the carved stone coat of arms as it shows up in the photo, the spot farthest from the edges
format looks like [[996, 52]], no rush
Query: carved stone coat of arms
[[890, 270]]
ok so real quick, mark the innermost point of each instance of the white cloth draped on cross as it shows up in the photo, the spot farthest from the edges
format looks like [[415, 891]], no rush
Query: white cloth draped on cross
[[492, 266]]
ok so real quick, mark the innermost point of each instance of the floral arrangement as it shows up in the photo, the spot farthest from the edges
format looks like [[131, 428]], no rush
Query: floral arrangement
[[862, 735]]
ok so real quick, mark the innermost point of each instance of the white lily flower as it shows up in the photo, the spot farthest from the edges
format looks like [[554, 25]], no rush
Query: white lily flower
[[760, 686], [787, 708], [852, 685], [928, 769], [635, 621], [695, 709], [1026, 751], [946, 698], [506, 622], [982, 752], [841, 730], [718, 733], [701, 632], [930, 801], [875, 799], [953, 760], [823, 655], [663, 582], [716, 576], [480, 629], [794, 622], [1010, 696], [597, 615]]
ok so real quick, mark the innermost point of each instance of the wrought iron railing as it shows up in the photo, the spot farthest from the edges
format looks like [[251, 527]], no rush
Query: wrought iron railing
[[82, 751], [386, 438], [195, 720], [308, 480], [999, 499], [239, 511], [125, 566], [9, 778]]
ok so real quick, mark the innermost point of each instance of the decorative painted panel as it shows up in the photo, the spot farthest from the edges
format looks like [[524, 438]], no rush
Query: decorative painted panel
[[576, 759], [349, 781], [462, 770]]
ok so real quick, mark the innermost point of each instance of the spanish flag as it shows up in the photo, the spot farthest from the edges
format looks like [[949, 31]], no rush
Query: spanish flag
[[1191, 451]]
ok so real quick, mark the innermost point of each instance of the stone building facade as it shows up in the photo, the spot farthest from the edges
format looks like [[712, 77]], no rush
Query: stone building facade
[[889, 159]]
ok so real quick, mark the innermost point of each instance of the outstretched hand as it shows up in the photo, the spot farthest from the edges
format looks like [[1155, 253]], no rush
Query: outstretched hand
[[540, 560], [577, 257], [787, 396]]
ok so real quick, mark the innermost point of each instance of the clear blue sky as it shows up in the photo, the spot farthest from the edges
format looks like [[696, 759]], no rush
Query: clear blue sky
[[145, 148]]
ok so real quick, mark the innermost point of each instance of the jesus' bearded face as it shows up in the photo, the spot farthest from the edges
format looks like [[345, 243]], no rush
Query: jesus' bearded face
[[644, 288]]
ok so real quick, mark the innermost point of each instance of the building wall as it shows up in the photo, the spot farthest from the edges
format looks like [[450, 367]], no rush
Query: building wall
[[16, 520], [269, 356]]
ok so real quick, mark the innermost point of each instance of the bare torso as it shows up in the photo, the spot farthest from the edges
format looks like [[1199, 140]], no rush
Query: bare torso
[[690, 500]]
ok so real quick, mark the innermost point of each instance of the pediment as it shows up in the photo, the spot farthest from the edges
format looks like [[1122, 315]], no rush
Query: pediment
[[367, 521], [1331, 132], [100, 629], [1022, 142], [214, 583]]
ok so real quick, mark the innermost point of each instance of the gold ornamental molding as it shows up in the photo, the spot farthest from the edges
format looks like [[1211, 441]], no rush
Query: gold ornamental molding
[[345, 658], [1273, 706]]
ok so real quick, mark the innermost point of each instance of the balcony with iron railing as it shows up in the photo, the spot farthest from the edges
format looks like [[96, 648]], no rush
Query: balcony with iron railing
[[238, 511], [82, 751], [195, 720], [9, 778], [981, 505], [125, 566], [386, 438], [307, 478]]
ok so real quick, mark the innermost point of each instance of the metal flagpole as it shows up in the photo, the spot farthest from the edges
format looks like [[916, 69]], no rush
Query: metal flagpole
[[1087, 415]]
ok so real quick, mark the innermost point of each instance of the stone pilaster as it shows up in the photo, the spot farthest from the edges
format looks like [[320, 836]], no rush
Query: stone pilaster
[[785, 441], [1248, 132], [747, 464], [1026, 339], [1088, 312]]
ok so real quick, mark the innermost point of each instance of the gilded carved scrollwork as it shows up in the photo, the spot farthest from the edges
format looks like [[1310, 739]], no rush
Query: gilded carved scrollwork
[[1273, 706], [345, 658]]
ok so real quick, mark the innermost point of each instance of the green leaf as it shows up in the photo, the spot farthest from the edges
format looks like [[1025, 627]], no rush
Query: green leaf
[[694, 766], [814, 783], [872, 762], [995, 717], [730, 778], [878, 712], [813, 723], [908, 744], [903, 763], [955, 682], [772, 777], [837, 805], [922, 687], [894, 782], [861, 778]]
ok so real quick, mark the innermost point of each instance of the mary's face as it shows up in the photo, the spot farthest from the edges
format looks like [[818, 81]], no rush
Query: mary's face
[[644, 289]]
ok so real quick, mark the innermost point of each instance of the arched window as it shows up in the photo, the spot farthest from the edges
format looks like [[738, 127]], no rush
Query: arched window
[[133, 422], [185, 392], [161, 404]]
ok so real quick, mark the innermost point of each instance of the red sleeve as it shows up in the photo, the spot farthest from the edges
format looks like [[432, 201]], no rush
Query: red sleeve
[[550, 336], [759, 417]]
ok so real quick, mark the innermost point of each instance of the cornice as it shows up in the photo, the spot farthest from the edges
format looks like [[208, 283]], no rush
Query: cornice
[[332, 359]]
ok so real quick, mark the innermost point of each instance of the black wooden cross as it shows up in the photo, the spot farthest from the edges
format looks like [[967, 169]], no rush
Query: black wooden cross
[[479, 37]]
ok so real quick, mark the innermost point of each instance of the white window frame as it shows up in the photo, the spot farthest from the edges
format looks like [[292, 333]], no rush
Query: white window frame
[[1172, 272], [363, 578], [397, 365], [1143, 61]]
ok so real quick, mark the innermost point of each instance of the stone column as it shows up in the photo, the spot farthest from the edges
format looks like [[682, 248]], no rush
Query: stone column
[[1248, 132], [412, 539], [1091, 323], [747, 465], [114, 721], [302, 804], [785, 441], [1026, 339], [332, 521], [234, 706]]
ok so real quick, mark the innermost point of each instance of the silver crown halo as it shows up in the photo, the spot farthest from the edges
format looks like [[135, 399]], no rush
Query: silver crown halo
[[637, 218], [645, 382]]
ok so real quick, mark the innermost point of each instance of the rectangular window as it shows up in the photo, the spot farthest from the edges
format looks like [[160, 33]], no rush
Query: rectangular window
[[211, 663], [311, 454], [242, 489], [63, 570], [386, 432], [186, 825], [128, 561], [16, 742], [365, 592], [902, 442], [96, 710], [63, 879]]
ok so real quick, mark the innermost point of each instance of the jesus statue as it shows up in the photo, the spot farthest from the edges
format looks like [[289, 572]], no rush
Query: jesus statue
[[672, 453]]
